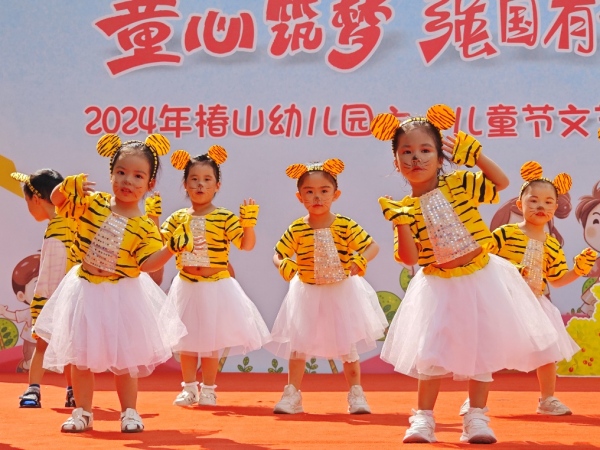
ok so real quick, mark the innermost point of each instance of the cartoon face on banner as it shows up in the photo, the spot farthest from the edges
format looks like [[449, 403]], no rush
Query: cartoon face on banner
[[24, 278]]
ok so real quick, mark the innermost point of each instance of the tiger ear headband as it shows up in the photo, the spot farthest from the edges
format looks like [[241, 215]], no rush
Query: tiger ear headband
[[180, 159], [109, 144], [532, 171], [21, 177], [384, 125], [332, 166]]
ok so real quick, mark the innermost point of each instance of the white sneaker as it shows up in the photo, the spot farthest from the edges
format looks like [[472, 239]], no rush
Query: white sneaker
[[188, 396], [465, 407], [553, 407], [131, 422], [475, 427], [207, 395], [422, 427], [357, 403], [291, 401]]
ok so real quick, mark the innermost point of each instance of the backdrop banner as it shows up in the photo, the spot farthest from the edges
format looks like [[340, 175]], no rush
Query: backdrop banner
[[277, 82]]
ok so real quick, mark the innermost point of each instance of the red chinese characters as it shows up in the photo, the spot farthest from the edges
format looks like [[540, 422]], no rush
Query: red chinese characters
[[359, 23], [574, 23], [466, 27], [141, 31], [293, 26], [219, 34], [519, 23]]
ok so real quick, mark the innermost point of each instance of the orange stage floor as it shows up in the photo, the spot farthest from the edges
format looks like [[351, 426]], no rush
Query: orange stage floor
[[244, 419]]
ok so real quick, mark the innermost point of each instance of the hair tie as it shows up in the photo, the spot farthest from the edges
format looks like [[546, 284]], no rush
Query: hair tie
[[21, 177], [109, 144], [532, 171], [332, 166]]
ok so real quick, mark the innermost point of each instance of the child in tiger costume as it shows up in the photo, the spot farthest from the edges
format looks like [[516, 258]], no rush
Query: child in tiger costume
[[56, 260], [330, 311], [218, 314], [541, 260], [107, 314], [466, 313]]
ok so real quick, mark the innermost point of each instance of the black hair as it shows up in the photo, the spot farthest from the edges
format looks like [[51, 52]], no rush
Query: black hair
[[327, 175], [130, 147], [202, 159], [43, 181], [529, 184]]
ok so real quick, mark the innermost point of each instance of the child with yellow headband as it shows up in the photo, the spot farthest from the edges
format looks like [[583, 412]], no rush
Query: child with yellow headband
[[330, 311], [220, 318], [541, 260], [107, 314], [466, 313], [55, 261]]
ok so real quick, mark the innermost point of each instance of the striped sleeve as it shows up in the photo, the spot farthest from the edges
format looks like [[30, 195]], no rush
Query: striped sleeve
[[556, 262], [479, 187], [287, 246], [151, 242], [233, 229]]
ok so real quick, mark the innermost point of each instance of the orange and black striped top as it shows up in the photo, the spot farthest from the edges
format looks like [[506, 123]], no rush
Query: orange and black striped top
[[348, 236], [465, 190]]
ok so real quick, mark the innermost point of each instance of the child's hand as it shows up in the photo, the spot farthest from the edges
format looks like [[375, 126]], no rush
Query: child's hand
[[584, 262], [182, 239], [248, 213], [288, 268], [153, 205], [464, 148], [358, 265], [395, 212], [78, 184]]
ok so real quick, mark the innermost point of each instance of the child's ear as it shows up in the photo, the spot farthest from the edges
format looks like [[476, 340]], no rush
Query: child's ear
[[336, 194], [299, 197], [519, 204], [218, 186], [151, 185]]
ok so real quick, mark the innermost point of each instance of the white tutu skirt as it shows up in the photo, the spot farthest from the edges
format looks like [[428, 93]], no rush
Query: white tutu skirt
[[470, 325], [218, 315], [329, 320], [568, 347], [125, 327]]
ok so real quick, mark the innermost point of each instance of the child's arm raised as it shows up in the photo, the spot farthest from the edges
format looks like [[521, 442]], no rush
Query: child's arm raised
[[78, 184], [465, 149]]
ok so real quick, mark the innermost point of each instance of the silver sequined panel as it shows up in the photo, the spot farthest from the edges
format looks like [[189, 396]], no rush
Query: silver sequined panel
[[533, 259], [104, 249], [199, 257], [328, 268], [449, 237]]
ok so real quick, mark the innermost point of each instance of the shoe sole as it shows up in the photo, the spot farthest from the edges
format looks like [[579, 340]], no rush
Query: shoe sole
[[137, 430], [417, 439], [283, 411], [482, 439], [361, 411], [63, 430], [550, 413], [39, 405]]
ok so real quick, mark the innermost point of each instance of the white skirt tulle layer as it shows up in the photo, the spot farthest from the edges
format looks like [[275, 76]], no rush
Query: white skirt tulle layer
[[125, 327], [470, 325], [218, 316], [329, 320], [568, 347]]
